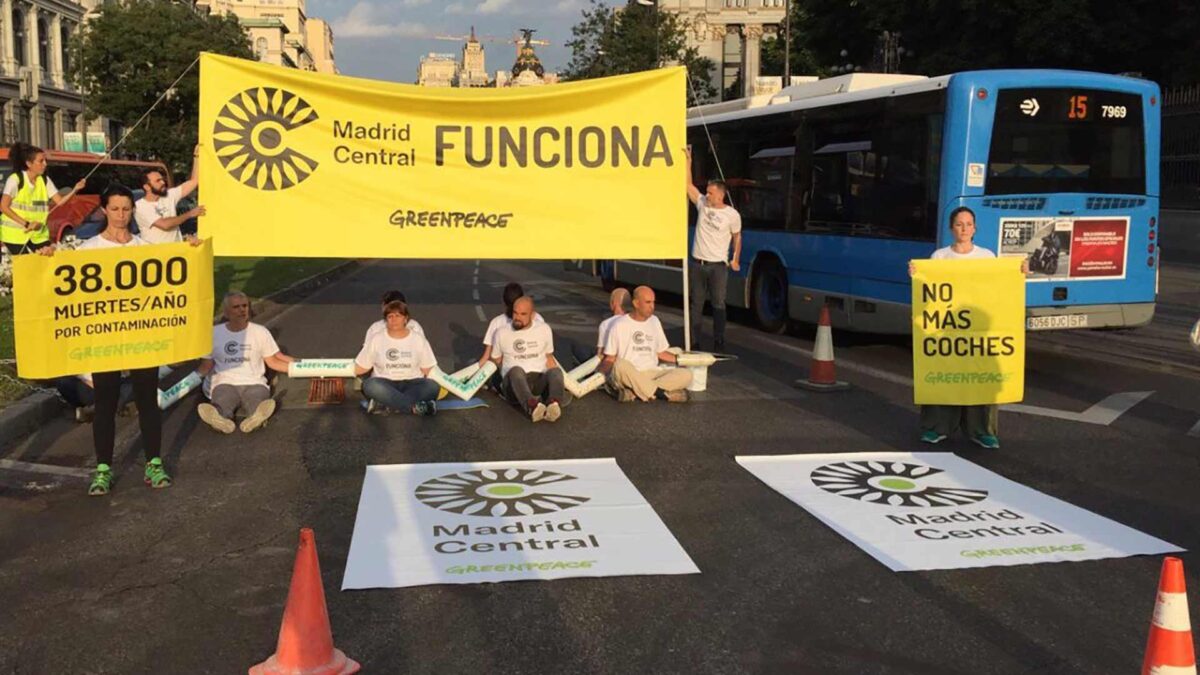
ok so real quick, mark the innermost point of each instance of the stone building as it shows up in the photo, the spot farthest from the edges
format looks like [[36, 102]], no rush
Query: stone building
[[473, 69], [37, 102], [280, 32], [730, 32], [437, 70]]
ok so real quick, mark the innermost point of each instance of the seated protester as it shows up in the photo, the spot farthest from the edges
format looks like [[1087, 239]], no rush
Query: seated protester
[[241, 353], [531, 375], [512, 292], [78, 391], [401, 360], [636, 343], [616, 303], [381, 325]]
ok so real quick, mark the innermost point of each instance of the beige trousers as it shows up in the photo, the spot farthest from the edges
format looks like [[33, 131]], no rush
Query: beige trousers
[[643, 383]]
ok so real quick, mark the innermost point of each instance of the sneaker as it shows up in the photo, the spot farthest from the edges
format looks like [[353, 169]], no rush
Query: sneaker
[[987, 441], [553, 411], [85, 414], [156, 476], [101, 481], [208, 413], [425, 408], [370, 407], [625, 395], [932, 437], [538, 413], [678, 396], [259, 417]]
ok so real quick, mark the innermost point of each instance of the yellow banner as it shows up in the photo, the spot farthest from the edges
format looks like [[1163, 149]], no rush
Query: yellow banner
[[310, 165], [968, 331], [112, 309]]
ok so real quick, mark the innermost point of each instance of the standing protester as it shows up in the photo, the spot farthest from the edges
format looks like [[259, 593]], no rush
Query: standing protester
[[979, 422], [636, 343], [156, 212], [401, 360], [242, 351], [530, 373], [117, 203], [717, 224], [617, 300], [28, 196]]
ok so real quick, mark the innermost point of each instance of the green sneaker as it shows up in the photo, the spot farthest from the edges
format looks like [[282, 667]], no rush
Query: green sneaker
[[156, 476], [101, 481], [932, 437], [987, 441]]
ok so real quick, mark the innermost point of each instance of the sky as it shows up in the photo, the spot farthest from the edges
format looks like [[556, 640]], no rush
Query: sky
[[385, 39]]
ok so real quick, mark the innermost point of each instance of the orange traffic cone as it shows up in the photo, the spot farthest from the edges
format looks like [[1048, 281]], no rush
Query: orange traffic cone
[[1169, 650], [821, 377], [305, 641]]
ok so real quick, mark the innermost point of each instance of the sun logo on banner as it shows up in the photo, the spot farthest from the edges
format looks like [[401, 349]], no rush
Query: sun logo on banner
[[891, 483], [497, 493], [248, 138]]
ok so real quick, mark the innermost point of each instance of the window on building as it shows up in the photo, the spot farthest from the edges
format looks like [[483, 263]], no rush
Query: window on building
[[65, 46], [19, 35], [44, 48], [24, 119], [49, 132], [731, 81]]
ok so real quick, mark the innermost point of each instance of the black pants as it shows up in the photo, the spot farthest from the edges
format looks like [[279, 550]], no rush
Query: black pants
[[18, 249], [79, 395], [145, 394], [708, 279]]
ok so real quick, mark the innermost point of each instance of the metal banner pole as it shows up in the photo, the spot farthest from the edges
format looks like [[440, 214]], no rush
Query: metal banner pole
[[687, 311]]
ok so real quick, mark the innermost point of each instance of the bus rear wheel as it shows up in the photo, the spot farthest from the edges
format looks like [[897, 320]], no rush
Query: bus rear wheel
[[768, 296]]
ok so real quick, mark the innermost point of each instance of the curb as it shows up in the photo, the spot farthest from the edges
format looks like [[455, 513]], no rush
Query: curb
[[26, 415]]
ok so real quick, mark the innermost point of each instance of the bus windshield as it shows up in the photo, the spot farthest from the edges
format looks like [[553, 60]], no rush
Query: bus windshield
[[1067, 140]]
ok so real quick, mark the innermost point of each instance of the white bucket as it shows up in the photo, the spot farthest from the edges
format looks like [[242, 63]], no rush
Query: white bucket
[[699, 378]]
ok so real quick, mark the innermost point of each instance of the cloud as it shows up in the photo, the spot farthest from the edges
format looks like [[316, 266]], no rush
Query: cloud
[[568, 6], [456, 8], [363, 20], [493, 6]]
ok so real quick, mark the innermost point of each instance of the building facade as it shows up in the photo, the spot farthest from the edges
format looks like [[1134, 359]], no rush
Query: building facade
[[37, 101], [731, 33], [473, 72], [280, 32], [437, 70]]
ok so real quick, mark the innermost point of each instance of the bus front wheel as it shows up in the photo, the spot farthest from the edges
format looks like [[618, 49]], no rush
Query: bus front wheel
[[768, 295]]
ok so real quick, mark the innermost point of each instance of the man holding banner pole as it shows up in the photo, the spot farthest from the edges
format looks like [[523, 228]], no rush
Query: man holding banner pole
[[717, 226]]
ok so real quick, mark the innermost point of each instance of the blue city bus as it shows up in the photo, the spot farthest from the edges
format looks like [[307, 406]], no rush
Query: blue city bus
[[840, 182]]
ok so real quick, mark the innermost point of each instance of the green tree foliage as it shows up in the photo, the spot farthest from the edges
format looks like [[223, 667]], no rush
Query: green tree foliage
[[1155, 38], [634, 38], [132, 52]]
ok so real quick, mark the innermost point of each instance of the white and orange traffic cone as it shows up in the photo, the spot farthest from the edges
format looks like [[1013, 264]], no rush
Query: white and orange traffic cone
[[822, 376], [1169, 649]]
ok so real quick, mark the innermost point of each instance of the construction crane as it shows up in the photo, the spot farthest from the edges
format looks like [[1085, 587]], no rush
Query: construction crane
[[525, 39]]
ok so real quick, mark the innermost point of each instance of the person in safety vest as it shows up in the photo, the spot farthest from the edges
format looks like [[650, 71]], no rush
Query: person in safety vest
[[28, 197]]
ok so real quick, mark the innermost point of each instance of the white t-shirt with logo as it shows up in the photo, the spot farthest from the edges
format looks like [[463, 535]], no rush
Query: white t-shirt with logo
[[502, 322], [714, 230], [949, 253], [638, 342], [99, 241], [238, 356], [10, 185], [148, 212], [380, 326], [396, 358], [605, 327], [527, 348]]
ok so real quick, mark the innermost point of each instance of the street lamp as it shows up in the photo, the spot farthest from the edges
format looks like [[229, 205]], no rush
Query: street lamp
[[654, 4]]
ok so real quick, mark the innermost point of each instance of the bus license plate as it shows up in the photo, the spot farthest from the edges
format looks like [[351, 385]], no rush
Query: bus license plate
[[1058, 321]]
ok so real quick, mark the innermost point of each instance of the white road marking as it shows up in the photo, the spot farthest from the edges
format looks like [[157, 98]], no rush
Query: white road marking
[[1195, 430], [479, 313], [475, 293], [48, 469], [1103, 413]]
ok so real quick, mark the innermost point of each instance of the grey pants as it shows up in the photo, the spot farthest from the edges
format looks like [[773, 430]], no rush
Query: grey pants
[[708, 282], [974, 420], [229, 399], [544, 387]]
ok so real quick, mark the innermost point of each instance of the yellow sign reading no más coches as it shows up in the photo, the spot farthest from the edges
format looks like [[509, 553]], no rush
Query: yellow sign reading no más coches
[[112, 309], [968, 331], [304, 164]]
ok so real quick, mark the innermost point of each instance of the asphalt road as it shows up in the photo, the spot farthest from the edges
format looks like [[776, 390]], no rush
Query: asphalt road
[[193, 579]]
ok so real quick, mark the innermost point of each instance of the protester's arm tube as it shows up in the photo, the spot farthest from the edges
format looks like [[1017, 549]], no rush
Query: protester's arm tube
[[667, 356], [324, 368], [581, 389], [182, 388], [584, 369], [279, 362]]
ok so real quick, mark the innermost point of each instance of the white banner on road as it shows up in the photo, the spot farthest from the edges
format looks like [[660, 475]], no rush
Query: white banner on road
[[422, 524], [930, 511]]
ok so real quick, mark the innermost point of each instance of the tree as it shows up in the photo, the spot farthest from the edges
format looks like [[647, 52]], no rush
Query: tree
[[634, 38], [130, 54]]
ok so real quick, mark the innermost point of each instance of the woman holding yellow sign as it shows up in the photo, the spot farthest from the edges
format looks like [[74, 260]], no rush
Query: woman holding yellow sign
[[28, 196], [979, 422]]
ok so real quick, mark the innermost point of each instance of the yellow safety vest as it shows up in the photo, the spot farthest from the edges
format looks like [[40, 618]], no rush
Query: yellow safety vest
[[33, 204]]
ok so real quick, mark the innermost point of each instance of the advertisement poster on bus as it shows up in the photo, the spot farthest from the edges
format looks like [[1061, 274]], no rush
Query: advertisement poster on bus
[[1067, 248]]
